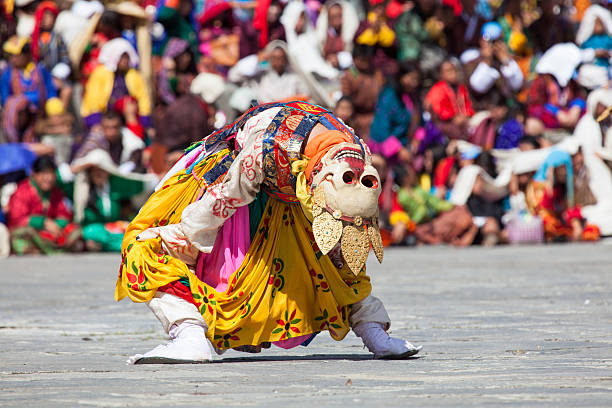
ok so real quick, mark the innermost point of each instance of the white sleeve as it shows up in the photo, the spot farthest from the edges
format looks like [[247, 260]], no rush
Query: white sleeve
[[483, 78], [201, 220], [513, 74]]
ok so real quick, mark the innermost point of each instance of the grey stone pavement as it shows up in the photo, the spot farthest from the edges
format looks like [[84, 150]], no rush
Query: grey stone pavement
[[510, 326]]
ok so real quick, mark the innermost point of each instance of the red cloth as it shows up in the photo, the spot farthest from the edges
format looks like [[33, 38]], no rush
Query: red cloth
[[38, 15], [176, 288], [213, 11], [443, 171], [26, 202], [455, 5], [447, 103], [135, 127], [260, 22]]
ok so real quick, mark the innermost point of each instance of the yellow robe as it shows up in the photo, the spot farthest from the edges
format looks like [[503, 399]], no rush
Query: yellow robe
[[284, 288]]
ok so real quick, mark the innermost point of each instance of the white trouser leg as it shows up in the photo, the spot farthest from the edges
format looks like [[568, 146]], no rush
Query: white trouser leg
[[370, 309], [370, 321], [172, 310], [186, 328]]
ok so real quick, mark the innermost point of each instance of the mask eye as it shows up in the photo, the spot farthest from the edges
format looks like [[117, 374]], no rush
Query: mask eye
[[348, 177], [369, 181]]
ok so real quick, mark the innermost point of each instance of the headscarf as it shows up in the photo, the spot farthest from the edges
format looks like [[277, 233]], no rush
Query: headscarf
[[320, 144], [208, 86], [38, 16], [350, 23], [560, 61], [111, 53], [557, 158], [587, 25], [303, 47]]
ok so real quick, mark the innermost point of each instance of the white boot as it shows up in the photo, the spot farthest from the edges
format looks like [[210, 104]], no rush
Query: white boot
[[376, 339], [188, 344]]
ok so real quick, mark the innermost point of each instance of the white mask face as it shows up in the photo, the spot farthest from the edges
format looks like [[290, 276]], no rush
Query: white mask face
[[345, 210]]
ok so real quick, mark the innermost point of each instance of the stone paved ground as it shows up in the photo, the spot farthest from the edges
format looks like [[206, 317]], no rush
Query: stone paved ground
[[519, 326]]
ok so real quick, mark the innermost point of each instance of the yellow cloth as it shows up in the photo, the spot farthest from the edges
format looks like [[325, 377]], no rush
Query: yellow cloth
[[15, 44], [298, 168], [385, 36], [425, 182], [54, 106], [284, 288], [99, 88]]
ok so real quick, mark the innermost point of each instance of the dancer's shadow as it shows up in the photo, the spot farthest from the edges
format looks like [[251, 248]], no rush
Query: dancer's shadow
[[311, 357]]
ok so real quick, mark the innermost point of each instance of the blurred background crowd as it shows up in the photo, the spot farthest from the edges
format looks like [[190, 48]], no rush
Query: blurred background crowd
[[481, 115]]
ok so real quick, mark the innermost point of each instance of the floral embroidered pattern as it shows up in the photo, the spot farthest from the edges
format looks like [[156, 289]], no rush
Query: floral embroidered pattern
[[224, 340], [277, 280], [204, 301], [287, 325]]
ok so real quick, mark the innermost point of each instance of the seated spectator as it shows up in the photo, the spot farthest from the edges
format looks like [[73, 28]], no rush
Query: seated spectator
[[280, 82], [395, 223], [219, 37], [362, 83], [389, 134], [189, 119], [595, 34], [115, 79], [102, 204], [302, 42], [38, 218], [107, 28], [266, 26], [551, 196], [336, 27], [450, 103], [486, 210], [376, 32], [555, 99], [345, 110], [24, 89], [48, 48], [178, 19], [411, 34], [55, 129], [494, 70], [419, 204], [177, 72], [123, 146]]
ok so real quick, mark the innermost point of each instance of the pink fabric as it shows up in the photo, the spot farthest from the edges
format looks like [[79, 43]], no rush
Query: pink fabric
[[231, 245], [389, 148], [292, 342]]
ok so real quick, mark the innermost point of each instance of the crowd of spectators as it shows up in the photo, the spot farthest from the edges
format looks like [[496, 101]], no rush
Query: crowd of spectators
[[481, 115]]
